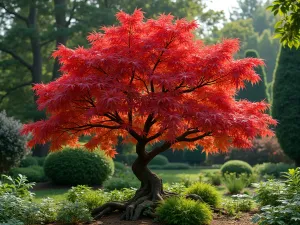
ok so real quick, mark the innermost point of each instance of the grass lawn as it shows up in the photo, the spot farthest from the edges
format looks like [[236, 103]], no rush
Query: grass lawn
[[168, 176]]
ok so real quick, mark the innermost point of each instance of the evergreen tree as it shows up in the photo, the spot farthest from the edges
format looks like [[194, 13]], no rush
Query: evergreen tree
[[286, 102], [257, 92]]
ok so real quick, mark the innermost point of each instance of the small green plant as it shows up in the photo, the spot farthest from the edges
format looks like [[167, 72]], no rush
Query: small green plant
[[120, 195], [181, 211], [275, 170], [237, 167], [18, 186], [208, 193], [237, 204], [235, 184], [215, 178], [187, 181], [73, 213], [268, 193]]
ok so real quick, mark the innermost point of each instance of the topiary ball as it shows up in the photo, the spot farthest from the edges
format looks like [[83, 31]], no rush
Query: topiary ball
[[78, 166], [236, 166], [207, 192], [181, 211], [159, 160]]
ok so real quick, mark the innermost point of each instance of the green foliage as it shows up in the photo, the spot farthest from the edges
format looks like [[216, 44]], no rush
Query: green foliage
[[181, 211], [33, 173], [40, 160], [194, 157], [127, 159], [159, 160], [238, 203], [176, 166], [273, 169], [78, 166], [288, 27], [235, 183], [118, 183], [177, 188], [12, 144], [268, 193], [215, 178], [27, 212], [18, 186], [29, 161], [208, 193], [286, 210], [120, 195], [236, 166], [73, 213], [286, 97], [257, 92], [119, 167]]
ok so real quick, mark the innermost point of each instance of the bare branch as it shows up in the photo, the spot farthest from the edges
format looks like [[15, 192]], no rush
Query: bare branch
[[72, 12], [17, 57], [46, 42], [13, 89]]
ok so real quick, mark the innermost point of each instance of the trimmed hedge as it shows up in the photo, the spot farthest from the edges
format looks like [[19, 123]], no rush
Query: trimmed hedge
[[78, 166], [29, 161], [159, 160], [33, 173], [236, 166], [176, 166]]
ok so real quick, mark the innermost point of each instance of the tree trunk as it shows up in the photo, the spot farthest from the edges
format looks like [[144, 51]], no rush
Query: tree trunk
[[60, 7], [147, 196], [39, 150]]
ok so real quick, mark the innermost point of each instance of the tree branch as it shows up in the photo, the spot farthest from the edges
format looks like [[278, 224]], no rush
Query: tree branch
[[46, 42], [18, 58], [17, 15], [13, 89], [72, 12]]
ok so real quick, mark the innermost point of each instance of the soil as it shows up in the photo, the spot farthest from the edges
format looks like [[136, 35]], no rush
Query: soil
[[114, 219]]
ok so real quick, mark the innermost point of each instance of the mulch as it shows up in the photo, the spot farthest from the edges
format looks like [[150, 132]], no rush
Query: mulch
[[114, 219]]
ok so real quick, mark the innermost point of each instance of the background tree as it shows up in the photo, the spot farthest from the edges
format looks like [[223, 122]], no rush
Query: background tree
[[258, 92], [151, 94], [288, 27], [286, 97]]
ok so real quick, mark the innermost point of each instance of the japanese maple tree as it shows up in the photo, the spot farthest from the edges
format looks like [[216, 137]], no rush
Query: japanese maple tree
[[150, 81]]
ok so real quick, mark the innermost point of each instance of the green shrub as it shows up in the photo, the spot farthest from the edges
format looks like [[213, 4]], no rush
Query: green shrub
[[208, 193], [176, 166], [40, 160], [238, 203], [73, 213], [236, 166], [181, 211], [159, 160], [268, 193], [215, 178], [78, 166], [12, 144], [127, 159], [272, 169], [155, 167], [118, 183], [121, 195], [28, 161], [33, 173], [235, 184], [91, 198]]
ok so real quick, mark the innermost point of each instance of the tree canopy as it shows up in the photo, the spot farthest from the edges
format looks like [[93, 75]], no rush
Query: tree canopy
[[150, 81]]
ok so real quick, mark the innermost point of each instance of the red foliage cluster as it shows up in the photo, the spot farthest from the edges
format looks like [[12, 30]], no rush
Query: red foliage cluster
[[150, 79]]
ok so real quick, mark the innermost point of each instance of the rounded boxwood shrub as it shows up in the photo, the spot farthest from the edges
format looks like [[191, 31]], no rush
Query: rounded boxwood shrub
[[181, 211], [237, 167], [33, 173], [12, 143], [29, 161], [78, 166], [159, 160], [207, 192]]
